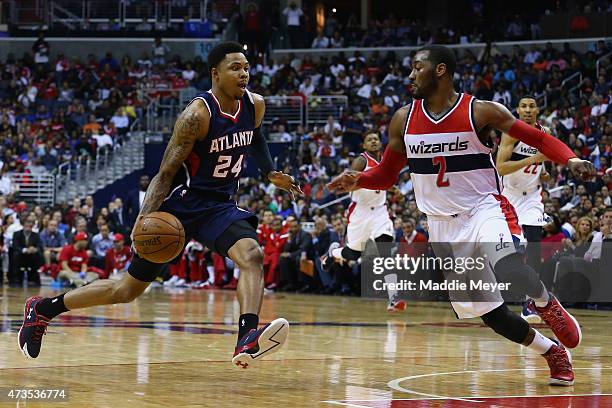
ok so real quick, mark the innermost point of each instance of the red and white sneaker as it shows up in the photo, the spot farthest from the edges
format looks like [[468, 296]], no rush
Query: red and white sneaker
[[33, 328], [396, 305], [559, 361], [563, 324], [260, 343]]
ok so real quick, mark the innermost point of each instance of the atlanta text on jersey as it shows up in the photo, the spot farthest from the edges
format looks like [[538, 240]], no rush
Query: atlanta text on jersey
[[231, 141]]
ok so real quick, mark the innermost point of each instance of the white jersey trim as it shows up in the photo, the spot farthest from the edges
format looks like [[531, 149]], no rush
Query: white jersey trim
[[187, 174]]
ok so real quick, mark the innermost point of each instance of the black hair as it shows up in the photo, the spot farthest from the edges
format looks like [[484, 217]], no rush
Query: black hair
[[528, 96], [219, 52], [439, 54]]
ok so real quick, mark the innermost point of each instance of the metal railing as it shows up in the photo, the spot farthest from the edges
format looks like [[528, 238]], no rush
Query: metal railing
[[36, 188], [160, 117], [289, 108], [320, 107], [85, 174], [74, 13]]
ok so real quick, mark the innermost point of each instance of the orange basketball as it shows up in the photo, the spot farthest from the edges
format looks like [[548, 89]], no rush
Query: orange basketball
[[159, 237]]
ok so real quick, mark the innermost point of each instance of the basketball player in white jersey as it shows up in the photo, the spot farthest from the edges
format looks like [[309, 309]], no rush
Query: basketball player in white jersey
[[368, 218], [522, 169], [445, 137]]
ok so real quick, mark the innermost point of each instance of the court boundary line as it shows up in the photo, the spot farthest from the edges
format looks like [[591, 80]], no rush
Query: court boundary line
[[351, 403], [394, 384]]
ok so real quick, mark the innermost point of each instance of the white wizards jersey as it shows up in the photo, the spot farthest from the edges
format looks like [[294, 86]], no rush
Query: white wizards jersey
[[451, 169], [365, 197], [527, 179]]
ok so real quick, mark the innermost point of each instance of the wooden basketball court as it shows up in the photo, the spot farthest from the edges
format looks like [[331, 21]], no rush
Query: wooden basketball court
[[174, 349]]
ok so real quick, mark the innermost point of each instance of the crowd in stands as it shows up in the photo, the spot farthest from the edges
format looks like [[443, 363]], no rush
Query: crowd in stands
[[472, 21], [55, 109]]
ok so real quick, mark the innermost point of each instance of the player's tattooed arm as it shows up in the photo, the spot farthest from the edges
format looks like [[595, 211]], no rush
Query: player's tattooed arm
[[190, 125]]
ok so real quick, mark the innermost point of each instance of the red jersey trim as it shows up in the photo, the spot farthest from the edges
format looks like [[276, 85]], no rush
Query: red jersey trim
[[233, 117]]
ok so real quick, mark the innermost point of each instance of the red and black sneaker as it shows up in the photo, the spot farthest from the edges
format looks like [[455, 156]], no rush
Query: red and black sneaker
[[559, 361], [260, 342], [33, 328], [396, 305], [563, 324]]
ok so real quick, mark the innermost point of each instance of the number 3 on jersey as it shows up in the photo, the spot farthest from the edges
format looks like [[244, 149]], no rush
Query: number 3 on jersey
[[224, 162], [441, 161]]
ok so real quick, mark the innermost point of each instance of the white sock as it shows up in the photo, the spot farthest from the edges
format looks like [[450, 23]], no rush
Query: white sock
[[337, 253], [542, 300], [236, 273], [391, 278], [211, 274], [540, 344]]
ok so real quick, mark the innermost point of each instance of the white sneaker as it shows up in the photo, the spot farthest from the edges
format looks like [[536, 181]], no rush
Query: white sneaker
[[172, 281], [181, 283]]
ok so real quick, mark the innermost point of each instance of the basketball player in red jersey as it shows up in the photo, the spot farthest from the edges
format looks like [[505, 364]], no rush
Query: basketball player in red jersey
[[444, 136], [368, 218]]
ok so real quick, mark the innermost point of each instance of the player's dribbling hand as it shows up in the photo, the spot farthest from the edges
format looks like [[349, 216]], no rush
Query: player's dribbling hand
[[347, 181], [285, 182], [582, 168]]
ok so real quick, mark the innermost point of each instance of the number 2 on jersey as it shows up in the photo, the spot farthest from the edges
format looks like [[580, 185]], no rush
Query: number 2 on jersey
[[224, 162], [441, 161]]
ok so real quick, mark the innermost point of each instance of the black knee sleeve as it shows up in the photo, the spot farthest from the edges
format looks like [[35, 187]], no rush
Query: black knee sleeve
[[533, 234], [350, 254], [144, 270], [384, 245], [384, 238], [507, 324], [523, 278]]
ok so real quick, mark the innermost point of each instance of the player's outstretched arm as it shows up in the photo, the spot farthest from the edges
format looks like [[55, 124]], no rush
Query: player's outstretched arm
[[496, 115], [191, 124], [261, 152], [383, 176]]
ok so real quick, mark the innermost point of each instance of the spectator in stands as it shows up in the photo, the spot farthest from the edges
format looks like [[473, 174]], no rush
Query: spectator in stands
[[41, 49], [52, 241], [297, 249], [160, 50], [322, 237], [275, 237], [6, 183], [28, 255], [121, 121], [100, 244], [135, 199], [117, 258], [412, 242], [294, 25], [74, 263], [320, 41]]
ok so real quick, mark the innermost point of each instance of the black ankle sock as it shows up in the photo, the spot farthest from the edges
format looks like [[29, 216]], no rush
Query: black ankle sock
[[247, 322], [51, 307]]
